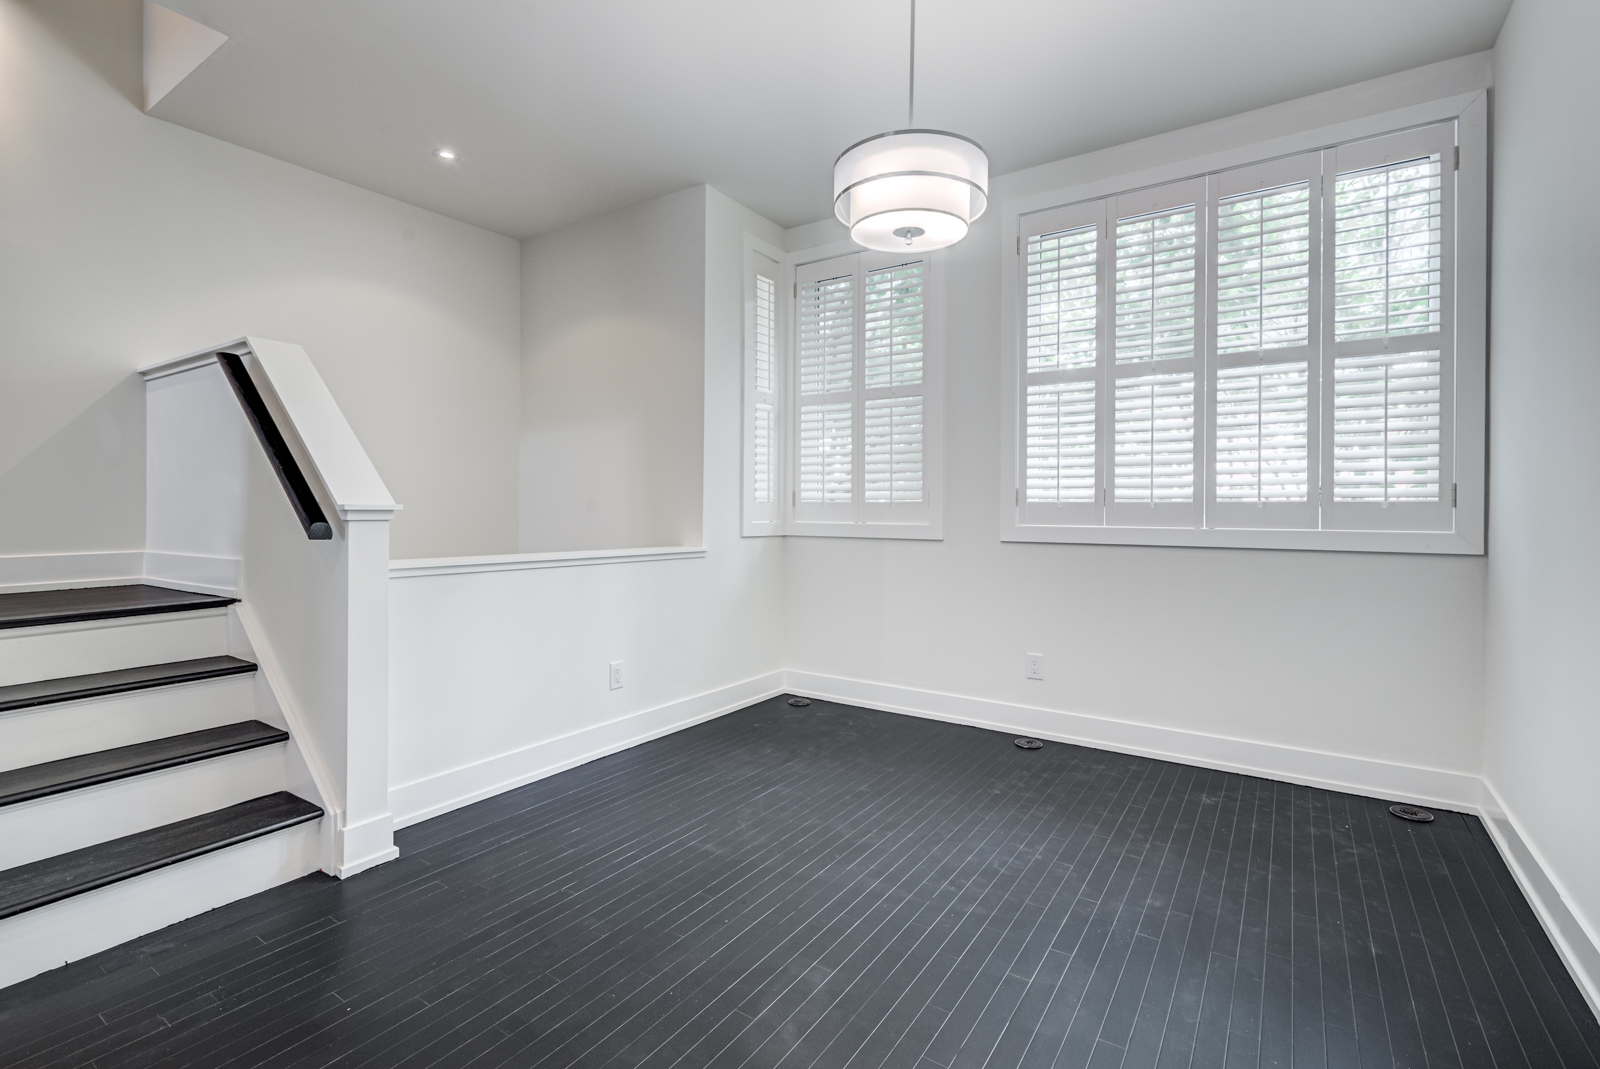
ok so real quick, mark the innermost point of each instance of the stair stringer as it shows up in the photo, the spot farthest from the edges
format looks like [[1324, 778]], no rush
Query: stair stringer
[[306, 770]]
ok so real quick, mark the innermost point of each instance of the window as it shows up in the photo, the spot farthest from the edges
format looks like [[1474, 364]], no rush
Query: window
[[857, 414], [1265, 355]]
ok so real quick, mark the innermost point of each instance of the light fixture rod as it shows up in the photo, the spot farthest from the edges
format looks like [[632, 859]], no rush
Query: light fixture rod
[[911, 96]]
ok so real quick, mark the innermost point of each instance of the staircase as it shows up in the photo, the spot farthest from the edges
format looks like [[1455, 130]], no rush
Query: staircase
[[137, 786]]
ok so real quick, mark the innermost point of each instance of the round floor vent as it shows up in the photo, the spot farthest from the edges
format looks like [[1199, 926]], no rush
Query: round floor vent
[[1028, 744], [807, 701], [1411, 812]]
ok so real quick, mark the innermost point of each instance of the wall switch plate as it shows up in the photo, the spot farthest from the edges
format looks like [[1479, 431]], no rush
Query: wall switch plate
[[1035, 665], [616, 675]]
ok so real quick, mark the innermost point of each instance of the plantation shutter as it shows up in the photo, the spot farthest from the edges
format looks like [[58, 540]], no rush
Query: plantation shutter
[[863, 391], [763, 482], [828, 301], [893, 394], [1265, 297], [1060, 465], [1388, 369], [1151, 380]]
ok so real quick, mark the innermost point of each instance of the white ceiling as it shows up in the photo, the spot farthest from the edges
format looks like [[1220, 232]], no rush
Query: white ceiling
[[561, 109]]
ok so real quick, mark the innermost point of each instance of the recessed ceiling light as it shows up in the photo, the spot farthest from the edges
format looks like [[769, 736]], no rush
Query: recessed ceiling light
[[445, 153]]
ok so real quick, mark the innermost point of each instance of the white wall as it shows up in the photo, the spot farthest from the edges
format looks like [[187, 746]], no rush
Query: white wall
[[1544, 571], [500, 677], [1309, 657], [125, 240], [613, 350]]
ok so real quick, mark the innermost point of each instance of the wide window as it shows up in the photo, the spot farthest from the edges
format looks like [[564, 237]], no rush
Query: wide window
[[1261, 356], [842, 438]]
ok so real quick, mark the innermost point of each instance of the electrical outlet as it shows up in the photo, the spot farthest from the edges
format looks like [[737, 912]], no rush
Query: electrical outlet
[[616, 675], [1035, 665]]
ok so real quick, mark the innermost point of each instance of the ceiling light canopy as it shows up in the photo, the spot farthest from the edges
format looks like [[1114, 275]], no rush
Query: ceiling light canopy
[[911, 189]]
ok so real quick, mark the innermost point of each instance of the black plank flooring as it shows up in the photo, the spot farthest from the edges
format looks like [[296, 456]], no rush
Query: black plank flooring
[[100, 684], [31, 608], [103, 766], [837, 887]]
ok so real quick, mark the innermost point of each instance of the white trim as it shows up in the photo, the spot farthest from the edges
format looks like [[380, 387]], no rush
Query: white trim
[[1311, 140], [188, 362], [1464, 461], [523, 562], [372, 839], [50, 571], [430, 796], [292, 386], [1575, 940], [192, 571], [1366, 776]]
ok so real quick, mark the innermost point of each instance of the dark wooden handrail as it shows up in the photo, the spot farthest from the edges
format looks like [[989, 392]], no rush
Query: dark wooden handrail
[[272, 441]]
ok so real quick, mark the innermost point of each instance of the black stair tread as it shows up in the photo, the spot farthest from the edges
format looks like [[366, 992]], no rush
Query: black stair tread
[[30, 608], [145, 677], [103, 766], [55, 878]]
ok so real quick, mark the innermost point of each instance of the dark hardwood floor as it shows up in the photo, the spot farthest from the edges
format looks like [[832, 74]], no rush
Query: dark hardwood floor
[[830, 887]]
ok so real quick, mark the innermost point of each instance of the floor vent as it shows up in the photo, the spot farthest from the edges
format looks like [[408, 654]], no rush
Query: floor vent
[[1411, 812]]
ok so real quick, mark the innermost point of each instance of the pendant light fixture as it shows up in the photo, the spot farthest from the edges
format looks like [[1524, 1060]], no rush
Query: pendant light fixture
[[911, 189]]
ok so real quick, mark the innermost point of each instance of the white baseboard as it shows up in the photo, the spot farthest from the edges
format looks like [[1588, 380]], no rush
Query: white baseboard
[[1576, 942], [433, 795], [191, 571], [182, 571], [46, 571], [1313, 768]]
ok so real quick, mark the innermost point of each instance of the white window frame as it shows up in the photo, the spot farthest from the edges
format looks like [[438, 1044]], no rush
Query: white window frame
[[859, 519], [1343, 147]]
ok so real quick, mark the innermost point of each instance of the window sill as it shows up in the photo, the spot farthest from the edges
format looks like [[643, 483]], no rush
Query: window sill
[[1448, 542], [927, 532]]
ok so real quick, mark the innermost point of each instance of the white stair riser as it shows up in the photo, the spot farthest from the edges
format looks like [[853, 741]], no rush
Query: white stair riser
[[29, 654], [53, 935], [51, 732], [32, 831]]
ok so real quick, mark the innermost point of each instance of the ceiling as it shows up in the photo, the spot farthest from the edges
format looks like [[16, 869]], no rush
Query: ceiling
[[563, 110]]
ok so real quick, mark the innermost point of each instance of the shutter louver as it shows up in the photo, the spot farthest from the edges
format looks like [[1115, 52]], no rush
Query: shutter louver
[[893, 313], [826, 472], [1387, 237], [766, 340], [763, 433], [761, 487], [1264, 269], [1386, 428], [1061, 299], [1263, 450], [893, 450], [1059, 457], [1154, 439], [1155, 294], [827, 335]]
